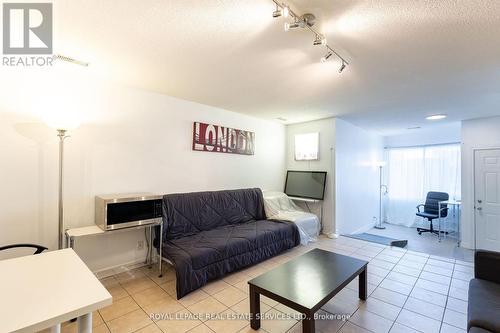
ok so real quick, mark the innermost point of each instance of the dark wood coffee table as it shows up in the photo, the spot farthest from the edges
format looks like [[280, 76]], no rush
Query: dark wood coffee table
[[306, 283]]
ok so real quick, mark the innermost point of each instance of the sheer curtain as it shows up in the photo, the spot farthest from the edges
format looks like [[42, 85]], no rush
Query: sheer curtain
[[412, 172]]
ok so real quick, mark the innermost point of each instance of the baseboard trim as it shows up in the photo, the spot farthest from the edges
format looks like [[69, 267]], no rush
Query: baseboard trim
[[467, 245], [110, 271], [364, 229]]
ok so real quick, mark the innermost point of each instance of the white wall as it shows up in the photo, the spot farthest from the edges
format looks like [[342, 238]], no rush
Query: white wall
[[356, 177], [432, 135], [131, 141], [326, 129], [478, 133]]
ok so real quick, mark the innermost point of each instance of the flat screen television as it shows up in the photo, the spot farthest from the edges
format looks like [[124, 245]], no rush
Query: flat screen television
[[305, 184]]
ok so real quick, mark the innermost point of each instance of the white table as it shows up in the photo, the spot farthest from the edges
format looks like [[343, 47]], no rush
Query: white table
[[456, 213], [41, 291], [73, 234], [306, 201]]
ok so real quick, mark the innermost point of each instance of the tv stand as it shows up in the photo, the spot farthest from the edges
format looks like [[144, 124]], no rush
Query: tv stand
[[94, 230], [307, 201]]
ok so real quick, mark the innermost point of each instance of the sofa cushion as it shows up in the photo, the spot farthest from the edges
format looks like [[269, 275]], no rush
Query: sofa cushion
[[212, 254], [484, 305], [187, 214], [478, 330], [208, 247]]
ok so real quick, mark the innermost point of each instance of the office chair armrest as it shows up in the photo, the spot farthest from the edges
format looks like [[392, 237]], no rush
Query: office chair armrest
[[418, 207], [39, 248], [487, 265]]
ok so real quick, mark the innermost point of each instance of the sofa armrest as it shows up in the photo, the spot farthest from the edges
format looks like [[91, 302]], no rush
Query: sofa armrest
[[487, 265]]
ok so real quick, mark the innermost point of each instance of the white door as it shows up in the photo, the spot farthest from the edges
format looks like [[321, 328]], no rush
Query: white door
[[487, 199]]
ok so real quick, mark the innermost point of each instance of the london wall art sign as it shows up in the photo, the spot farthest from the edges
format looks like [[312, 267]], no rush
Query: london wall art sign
[[219, 139]]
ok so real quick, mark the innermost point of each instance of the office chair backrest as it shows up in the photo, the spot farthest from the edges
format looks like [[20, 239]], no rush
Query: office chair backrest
[[431, 203], [38, 248]]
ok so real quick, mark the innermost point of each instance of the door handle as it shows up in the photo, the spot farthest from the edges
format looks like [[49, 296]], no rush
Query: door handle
[[480, 201], [479, 208]]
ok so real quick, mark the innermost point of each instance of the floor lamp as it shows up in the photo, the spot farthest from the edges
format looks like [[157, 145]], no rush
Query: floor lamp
[[62, 134], [380, 165]]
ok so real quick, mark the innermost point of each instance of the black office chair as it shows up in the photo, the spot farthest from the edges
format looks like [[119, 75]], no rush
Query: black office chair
[[431, 210], [39, 248]]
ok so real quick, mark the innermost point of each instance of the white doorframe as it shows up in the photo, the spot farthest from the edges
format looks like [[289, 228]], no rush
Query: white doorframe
[[474, 151]]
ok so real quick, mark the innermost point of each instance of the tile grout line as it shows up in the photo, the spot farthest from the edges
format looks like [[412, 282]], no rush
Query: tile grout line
[[394, 265], [357, 309], [447, 296], [402, 307], [140, 307], [446, 305], [408, 296], [345, 322], [385, 277], [354, 249], [406, 301]]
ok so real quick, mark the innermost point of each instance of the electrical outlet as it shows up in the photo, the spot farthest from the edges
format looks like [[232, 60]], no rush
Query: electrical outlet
[[140, 245]]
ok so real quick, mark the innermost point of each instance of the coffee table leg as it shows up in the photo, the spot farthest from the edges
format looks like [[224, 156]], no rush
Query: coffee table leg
[[254, 308], [308, 324], [363, 285]]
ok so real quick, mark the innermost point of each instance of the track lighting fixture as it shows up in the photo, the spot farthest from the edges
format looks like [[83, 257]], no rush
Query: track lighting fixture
[[319, 40], [286, 11], [293, 25], [342, 67], [326, 56], [277, 12], [306, 21]]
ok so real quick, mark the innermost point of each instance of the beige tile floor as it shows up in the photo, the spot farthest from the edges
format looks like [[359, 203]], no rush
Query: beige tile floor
[[426, 242], [408, 292]]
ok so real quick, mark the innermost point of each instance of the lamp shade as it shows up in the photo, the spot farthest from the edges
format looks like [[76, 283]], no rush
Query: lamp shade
[[63, 124], [61, 116], [63, 103]]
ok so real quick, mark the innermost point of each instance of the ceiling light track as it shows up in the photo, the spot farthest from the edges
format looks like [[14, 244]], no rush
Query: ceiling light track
[[70, 60], [307, 21]]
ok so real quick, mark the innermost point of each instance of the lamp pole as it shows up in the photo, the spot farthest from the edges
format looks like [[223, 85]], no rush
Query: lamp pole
[[61, 133], [379, 224]]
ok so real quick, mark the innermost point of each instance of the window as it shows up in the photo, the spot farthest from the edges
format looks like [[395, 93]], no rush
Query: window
[[306, 146], [412, 172]]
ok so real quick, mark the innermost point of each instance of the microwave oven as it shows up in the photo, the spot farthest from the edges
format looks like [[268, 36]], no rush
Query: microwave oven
[[119, 211]]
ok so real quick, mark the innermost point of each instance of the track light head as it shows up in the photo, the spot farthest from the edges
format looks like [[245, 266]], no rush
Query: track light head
[[319, 40], [286, 11], [277, 13], [326, 56], [306, 21], [342, 67], [293, 25]]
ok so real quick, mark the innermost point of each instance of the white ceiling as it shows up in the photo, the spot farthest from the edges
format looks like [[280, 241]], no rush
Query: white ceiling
[[408, 58]]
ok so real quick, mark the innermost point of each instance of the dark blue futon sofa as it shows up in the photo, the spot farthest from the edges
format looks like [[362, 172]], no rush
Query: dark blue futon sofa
[[207, 235]]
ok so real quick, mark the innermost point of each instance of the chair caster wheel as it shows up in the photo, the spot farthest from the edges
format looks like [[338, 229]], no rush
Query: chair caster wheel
[[420, 233]]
